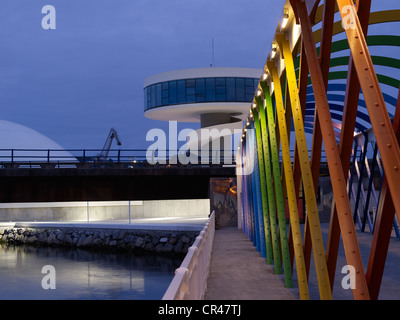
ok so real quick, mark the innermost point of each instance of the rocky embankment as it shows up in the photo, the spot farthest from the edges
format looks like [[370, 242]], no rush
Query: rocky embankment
[[166, 242]]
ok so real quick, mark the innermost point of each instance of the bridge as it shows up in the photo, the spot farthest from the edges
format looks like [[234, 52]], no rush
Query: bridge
[[44, 176], [329, 95], [324, 86]]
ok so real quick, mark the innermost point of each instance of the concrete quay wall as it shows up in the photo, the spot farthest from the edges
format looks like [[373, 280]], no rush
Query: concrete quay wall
[[103, 210]]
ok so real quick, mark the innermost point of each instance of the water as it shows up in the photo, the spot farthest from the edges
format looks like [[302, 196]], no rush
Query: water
[[82, 274]]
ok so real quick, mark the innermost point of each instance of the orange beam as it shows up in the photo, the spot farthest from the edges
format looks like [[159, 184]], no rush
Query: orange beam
[[380, 121], [350, 242], [324, 60], [346, 140]]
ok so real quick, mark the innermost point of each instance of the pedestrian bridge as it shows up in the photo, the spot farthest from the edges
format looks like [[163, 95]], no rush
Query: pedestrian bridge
[[330, 84]]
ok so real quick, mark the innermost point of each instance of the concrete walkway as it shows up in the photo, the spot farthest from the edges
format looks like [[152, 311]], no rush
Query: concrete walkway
[[238, 272]]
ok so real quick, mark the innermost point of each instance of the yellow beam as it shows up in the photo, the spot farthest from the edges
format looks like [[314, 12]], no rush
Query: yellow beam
[[291, 194], [309, 191]]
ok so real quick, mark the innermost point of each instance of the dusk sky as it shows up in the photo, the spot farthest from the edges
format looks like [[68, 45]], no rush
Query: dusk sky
[[76, 82]]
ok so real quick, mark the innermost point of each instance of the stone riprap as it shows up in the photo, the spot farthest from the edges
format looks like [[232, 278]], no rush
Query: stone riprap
[[139, 241]]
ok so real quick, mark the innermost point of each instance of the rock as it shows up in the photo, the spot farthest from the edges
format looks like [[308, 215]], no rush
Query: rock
[[42, 237], [163, 240], [97, 242], [185, 239], [30, 239], [50, 238], [155, 240], [159, 247], [121, 234], [115, 235], [88, 241], [168, 248], [149, 246], [178, 247], [80, 241], [61, 235], [139, 242]]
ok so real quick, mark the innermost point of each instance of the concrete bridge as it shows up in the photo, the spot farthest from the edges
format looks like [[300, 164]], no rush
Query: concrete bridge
[[43, 184]]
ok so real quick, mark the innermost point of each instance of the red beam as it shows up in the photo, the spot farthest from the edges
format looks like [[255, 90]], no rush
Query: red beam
[[346, 140], [383, 227], [378, 113]]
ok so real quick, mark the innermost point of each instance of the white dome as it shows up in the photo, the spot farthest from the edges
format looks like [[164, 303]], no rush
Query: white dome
[[14, 136]]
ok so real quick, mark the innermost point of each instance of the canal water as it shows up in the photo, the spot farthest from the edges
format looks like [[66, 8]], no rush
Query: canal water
[[82, 275]]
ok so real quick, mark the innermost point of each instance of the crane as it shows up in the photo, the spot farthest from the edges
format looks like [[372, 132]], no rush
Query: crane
[[106, 149]]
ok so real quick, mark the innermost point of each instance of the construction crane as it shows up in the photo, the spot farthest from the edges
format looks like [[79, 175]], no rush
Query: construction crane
[[106, 149]]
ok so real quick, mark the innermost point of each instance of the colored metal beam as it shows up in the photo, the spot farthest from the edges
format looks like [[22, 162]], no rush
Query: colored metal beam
[[259, 219], [375, 18], [270, 186], [263, 187], [350, 242], [370, 190], [380, 121], [309, 188], [292, 198], [303, 79], [383, 227], [280, 204], [324, 61]]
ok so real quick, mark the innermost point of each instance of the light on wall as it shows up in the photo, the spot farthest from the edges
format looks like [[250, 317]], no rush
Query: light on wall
[[274, 49], [285, 19]]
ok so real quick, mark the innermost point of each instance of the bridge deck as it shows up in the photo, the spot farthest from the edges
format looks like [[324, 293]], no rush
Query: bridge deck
[[238, 272]]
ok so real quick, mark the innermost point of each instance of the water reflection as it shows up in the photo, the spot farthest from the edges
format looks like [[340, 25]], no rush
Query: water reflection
[[82, 274]]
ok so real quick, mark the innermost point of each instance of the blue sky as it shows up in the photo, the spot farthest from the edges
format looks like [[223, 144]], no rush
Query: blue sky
[[76, 82]]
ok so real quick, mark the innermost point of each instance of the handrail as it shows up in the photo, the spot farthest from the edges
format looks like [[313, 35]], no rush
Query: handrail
[[92, 156], [190, 280]]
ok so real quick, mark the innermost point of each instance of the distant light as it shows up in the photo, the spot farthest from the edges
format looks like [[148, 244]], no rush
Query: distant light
[[285, 19], [274, 49]]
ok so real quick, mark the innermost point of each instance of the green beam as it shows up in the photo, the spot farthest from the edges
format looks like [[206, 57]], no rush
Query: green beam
[[263, 185], [270, 186], [280, 202]]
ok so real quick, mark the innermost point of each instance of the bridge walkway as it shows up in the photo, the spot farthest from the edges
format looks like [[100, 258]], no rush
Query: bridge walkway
[[238, 272]]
